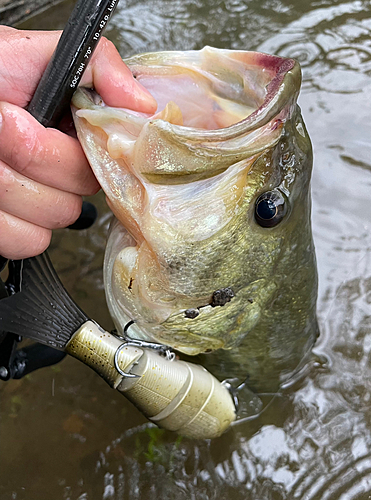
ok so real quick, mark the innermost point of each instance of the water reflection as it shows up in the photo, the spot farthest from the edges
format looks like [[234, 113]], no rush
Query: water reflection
[[334, 42], [165, 25], [313, 440]]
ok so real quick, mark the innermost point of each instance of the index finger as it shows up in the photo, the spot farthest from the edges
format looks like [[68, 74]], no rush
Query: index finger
[[43, 154]]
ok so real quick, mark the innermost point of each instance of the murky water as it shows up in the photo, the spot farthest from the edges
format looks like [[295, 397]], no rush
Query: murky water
[[66, 435]]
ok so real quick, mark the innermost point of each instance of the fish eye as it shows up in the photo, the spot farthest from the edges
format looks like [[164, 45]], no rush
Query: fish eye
[[270, 208]]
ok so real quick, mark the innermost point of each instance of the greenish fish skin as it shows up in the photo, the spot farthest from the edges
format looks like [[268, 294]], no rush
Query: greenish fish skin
[[284, 256], [178, 248]]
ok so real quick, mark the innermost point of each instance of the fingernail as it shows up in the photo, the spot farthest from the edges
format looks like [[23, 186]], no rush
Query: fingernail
[[1, 121]]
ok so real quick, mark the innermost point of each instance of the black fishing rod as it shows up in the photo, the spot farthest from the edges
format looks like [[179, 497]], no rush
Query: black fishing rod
[[49, 103], [74, 50]]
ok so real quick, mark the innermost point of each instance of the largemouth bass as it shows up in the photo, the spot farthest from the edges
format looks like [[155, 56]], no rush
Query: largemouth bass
[[211, 248]]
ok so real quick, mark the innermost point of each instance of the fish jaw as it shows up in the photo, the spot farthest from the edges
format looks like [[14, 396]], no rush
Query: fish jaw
[[164, 316], [184, 194]]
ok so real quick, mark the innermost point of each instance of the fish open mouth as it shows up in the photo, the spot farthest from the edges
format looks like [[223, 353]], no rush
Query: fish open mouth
[[214, 89], [218, 111]]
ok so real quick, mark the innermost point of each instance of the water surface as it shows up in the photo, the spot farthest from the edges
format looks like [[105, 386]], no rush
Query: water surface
[[66, 435]]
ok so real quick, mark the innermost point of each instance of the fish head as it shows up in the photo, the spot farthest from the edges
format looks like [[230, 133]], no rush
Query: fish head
[[211, 243]]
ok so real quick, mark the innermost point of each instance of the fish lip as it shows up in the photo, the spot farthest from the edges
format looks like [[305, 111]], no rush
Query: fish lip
[[282, 90]]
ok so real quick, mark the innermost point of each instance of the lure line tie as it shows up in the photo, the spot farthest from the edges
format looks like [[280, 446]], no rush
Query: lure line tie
[[161, 349]]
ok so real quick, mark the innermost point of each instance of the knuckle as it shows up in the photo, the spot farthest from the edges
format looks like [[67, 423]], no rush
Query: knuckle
[[6, 177], [21, 239], [42, 242], [92, 189], [69, 212], [25, 151]]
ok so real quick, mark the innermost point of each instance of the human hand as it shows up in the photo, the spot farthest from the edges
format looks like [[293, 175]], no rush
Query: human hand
[[43, 171]]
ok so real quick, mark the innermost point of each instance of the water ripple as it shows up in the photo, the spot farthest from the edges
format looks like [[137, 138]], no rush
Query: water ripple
[[333, 46], [177, 25]]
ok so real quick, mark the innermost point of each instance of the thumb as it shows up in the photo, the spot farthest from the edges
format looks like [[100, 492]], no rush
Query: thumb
[[113, 81]]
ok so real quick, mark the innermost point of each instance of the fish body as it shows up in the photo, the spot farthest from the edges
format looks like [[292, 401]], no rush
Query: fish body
[[211, 248]]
